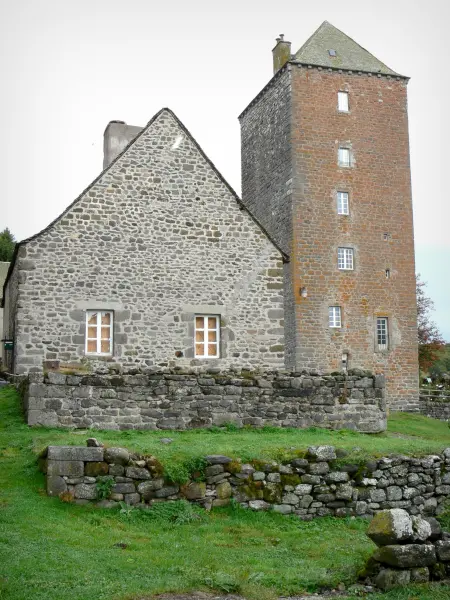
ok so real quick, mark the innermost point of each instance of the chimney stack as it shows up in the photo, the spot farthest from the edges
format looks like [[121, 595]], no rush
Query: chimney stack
[[281, 53], [116, 137]]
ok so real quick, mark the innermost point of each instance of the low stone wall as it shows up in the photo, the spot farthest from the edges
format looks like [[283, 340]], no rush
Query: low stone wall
[[436, 407], [183, 400], [313, 484]]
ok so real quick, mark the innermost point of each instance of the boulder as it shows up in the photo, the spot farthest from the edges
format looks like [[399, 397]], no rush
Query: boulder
[[218, 459], [55, 485], [194, 490], [137, 473], [258, 505], [86, 491], [420, 575], [117, 456], [164, 492], [389, 578], [407, 556], [436, 529], [390, 527], [421, 529], [443, 550], [223, 490], [322, 453]]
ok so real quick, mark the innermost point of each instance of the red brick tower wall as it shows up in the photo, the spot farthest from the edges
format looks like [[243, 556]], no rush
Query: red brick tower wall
[[379, 227]]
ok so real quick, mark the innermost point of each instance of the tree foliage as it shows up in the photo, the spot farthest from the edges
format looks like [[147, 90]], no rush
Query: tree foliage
[[7, 245], [429, 336]]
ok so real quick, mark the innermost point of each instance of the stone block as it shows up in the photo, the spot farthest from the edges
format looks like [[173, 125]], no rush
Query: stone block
[[319, 468], [86, 491], [194, 490], [71, 468], [93, 469], [166, 491], [218, 459], [117, 456], [390, 578], [337, 477], [284, 509], [214, 470], [123, 488], [420, 575], [132, 499], [224, 490], [406, 556], [421, 529], [390, 527], [55, 485], [258, 505], [75, 453], [56, 378], [443, 550], [137, 473]]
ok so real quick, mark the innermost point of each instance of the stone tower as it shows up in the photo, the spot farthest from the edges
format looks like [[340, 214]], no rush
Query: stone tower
[[325, 168]]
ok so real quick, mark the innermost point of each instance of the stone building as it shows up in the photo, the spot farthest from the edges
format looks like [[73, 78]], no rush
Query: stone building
[[325, 168], [156, 264]]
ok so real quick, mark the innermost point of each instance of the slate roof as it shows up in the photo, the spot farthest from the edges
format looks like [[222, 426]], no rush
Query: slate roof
[[349, 54]]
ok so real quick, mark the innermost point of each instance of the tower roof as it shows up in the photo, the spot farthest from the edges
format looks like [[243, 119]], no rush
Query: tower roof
[[329, 47]]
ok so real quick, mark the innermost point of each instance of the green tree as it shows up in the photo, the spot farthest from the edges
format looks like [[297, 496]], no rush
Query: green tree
[[7, 245], [429, 336]]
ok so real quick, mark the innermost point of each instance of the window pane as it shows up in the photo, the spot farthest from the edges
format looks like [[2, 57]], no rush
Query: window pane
[[199, 348], [105, 345], [199, 336], [92, 319], [212, 350], [342, 198], [212, 322], [212, 336], [106, 318], [106, 332], [199, 322], [343, 101], [92, 332], [92, 346], [344, 157]]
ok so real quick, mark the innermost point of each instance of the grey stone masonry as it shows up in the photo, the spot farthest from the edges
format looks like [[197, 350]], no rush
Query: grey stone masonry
[[183, 399], [342, 489], [158, 238], [436, 406]]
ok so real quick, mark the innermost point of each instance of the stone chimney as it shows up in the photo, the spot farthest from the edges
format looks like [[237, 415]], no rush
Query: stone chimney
[[281, 53], [116, 137]]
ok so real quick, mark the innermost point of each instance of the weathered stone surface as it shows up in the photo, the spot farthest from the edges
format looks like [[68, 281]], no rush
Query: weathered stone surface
[[224, 490], [117, 456], [406, 556], [322, 453], [146, 488], [96, 468], [390, 527], [132, 499], [421, 529], [443, 550], [86, 491], [436, 529], [71, 468], [123, 488], [390, 578], [55, 485], [115, 470], [283, 509], [213, 470], [319, 468], [93, 443], [218, 459], [194, 490], [258, 505], [337, 477], [169, 490], [75, 453], [137, 473], [420, 575]]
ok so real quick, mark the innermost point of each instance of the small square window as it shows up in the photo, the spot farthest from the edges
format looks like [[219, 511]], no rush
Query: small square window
[[343, 101], [345, 259], [344, 157], [207, 336], [342, 203], [382, 333], [99, 332], [334, 316]]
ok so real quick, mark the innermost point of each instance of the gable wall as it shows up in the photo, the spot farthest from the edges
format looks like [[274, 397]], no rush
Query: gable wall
[[158, 238]]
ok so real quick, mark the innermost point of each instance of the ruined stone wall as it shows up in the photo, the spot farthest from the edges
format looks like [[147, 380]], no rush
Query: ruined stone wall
[[157, 239], [436, 407], [313, 484], [185, 400]]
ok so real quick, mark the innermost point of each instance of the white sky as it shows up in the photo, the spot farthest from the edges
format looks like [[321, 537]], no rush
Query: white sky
[[68, 67]]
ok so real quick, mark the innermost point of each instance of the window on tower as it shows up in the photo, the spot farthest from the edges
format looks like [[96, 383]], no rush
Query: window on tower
[[342, 203], [382, 333], [344, 157], [345, 259], [343, 102], [334, 316]]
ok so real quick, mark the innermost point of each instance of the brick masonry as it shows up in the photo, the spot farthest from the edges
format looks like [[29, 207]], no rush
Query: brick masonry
[[184, 400], [157, 238], [310, 484], [303, 125]]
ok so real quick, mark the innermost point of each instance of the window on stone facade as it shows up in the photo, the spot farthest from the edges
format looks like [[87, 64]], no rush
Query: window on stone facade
[[342, 203], [334, 316], [99, 332], [207, 334], [343, 101], [345, 258], [382, 333], [344, 157]]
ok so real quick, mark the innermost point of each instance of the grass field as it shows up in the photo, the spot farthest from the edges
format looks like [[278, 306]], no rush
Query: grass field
[[51, 550]]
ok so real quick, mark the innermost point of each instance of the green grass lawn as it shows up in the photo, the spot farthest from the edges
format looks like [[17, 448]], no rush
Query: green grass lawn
[[51, 550]]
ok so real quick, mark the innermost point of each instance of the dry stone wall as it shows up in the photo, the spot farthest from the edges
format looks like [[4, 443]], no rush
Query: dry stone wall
[[315, 483], [436, 407], [176, 399]]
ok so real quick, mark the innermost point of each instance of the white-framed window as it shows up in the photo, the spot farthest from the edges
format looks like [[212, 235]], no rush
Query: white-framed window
[[344, 157], [334, 316], [99, 332], [342, 203], [343, 101], [207, 336], [382, 333], [345, 259]]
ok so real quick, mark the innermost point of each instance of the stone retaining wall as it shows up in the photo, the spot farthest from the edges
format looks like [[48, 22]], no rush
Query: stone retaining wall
[[313, 484], [187, 399], [435, 407]]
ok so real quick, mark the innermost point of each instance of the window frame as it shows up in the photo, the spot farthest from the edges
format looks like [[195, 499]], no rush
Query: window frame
[[343, 94], [346, 253], [345, 165], [338, 203], [206, 342], [99, 325], [384, 331], [334, 317]]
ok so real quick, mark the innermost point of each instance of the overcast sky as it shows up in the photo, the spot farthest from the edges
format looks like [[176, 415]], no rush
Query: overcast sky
[[68, 67]]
